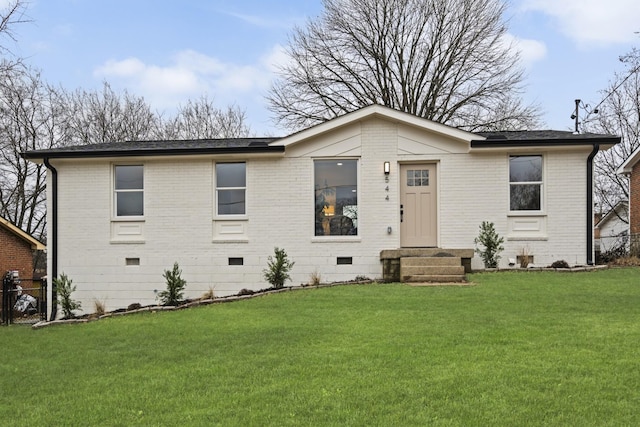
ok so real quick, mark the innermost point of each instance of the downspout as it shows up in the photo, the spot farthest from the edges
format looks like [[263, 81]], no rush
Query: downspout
[[593, 153], [53, 240]]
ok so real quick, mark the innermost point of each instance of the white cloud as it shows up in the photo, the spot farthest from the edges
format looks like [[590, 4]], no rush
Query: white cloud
[[190, 74], [601, 22], [530, 50], [262, 22], [274, 59]]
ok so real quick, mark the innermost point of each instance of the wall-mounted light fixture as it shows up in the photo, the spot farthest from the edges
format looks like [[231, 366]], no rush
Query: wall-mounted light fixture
[[387, 168]]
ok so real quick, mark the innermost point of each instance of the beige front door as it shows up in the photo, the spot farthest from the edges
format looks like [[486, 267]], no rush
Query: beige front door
[[418, 210]]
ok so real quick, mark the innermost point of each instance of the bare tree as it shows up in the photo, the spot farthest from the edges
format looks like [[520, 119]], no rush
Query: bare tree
[[12, 13], [107, 116], [618, 114], [202, 119], [445, 60], [30, 119]]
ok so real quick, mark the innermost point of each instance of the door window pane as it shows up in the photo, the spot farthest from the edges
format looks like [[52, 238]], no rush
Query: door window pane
[[417, 178]]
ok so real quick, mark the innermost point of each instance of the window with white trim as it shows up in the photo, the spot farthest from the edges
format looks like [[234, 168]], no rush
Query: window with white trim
[[336, 197], [231, 188], [525, 183], [128, 190]]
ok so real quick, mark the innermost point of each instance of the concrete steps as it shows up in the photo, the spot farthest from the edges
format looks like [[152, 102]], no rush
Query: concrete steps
[[431, 269]]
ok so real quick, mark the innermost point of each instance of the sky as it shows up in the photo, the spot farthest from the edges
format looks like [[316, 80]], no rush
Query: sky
[[170, 51]]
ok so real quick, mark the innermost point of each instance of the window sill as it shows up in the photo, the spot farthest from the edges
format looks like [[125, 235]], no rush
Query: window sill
[[527, 239], [527, 227], [231, 218], [527, 213], [127, 230], [230, 230], [336, 239], [126, 242]]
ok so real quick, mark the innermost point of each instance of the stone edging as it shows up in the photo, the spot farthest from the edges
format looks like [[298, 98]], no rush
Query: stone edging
[[559, 270], [195, 303]]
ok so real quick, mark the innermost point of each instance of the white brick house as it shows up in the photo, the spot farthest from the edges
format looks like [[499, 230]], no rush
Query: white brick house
[[341, 198]]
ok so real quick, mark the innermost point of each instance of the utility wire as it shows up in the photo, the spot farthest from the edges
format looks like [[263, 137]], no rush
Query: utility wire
[[612, 91]]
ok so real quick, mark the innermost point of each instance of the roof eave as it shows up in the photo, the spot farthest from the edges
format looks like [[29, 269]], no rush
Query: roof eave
[[604, 143], [40, 155]]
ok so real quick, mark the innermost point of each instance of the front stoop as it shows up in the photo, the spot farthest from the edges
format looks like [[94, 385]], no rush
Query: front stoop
[[431, 269], [426, 265]]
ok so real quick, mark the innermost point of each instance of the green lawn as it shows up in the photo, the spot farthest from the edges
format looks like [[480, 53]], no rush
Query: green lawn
[[517, 349]]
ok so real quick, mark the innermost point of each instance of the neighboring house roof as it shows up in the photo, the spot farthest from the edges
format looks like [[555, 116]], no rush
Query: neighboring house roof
[[627, 166], [621, 209], [276, 146], [17, 231]]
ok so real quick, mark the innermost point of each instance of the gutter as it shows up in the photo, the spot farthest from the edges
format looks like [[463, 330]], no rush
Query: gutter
[[596, 148], [544, 143], [53, 240], [152, 152]]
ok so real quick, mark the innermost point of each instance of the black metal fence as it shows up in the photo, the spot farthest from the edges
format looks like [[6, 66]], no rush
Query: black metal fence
[[24, 301]]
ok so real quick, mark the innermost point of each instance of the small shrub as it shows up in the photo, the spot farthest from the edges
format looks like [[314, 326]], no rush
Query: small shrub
[[560, 264], [524, 257], [278, 268], [134, 306], [173, 295], [315, 279], [64, 288], [99, 307], [492, 245], [630, 261], [210, 294]]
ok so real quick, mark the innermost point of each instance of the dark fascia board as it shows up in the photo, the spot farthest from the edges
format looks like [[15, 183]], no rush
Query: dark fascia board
[[140, 152], [560, 142]]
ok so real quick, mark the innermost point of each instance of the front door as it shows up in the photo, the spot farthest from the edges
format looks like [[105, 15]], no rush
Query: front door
[[418, 210]]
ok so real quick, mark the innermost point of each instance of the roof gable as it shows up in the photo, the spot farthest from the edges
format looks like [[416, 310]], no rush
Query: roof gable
[[373, 111], [621, 209], [627, 166], [18, 232]]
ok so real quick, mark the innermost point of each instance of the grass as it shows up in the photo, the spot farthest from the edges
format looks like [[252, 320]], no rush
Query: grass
[[520, 349]]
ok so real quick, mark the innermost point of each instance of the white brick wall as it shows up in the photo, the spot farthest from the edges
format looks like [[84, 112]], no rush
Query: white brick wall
[[179, 214]]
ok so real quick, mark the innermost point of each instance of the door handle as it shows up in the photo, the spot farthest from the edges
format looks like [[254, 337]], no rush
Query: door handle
[[401, 212]]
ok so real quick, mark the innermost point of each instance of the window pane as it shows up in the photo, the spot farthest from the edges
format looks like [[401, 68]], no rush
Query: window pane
[[129, 177], [231, 202], [230, 175], [410, 180], [525, 197], [129, 203], [418, 178], [525, 169], [336, 197]]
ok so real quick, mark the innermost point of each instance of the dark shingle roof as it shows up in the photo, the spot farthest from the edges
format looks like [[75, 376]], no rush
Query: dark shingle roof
[[158, 148], [540, 137], [261, 145]]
